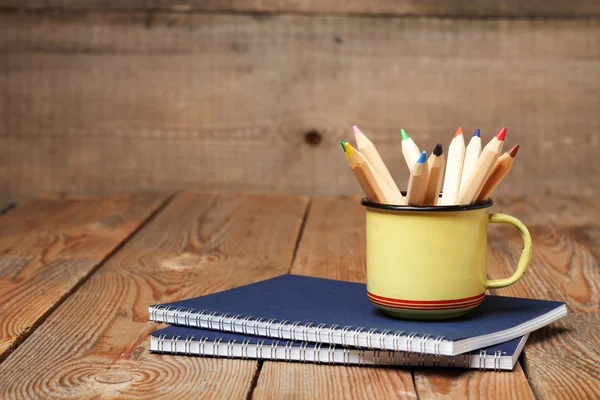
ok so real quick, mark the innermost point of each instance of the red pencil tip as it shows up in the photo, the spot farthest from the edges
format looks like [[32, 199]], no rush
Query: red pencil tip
[[500, 135], [513, 152], [458, 132]]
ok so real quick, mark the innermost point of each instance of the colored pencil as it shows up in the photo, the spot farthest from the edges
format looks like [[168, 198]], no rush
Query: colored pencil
[[454, 165], [367, 149], [500, 170], [368, 179], [482, 169], [417, 183], [471, 156], [436, 165], [409, 149]]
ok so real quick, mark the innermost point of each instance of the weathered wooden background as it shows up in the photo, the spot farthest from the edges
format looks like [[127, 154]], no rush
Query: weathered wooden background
[[255, 95]]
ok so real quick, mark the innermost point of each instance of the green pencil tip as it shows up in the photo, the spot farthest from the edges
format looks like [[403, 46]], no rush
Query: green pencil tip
[[404, 135], [343, 143]]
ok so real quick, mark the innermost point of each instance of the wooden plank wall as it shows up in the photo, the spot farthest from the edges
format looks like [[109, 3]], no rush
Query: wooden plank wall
[[146, 95]]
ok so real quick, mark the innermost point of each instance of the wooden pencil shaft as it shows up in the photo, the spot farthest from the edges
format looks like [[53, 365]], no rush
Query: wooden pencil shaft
[[471, 156], [417, 185], [483, 168], [371, 183], [500, 170], [372, 155], [436, 167], [454, 165], [411, 152]]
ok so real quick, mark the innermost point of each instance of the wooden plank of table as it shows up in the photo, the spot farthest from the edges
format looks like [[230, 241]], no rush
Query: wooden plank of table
[[562, 358], [48, 247], [332, 247], [155, 90], [435, 8], [96, 343]]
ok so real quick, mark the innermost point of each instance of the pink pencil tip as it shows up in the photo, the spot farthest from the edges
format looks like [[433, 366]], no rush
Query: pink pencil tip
[[500, 135], [356, 130]]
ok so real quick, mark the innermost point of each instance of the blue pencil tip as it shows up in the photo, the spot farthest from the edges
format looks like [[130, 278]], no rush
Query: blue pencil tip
[[422, 158], [477, 133]]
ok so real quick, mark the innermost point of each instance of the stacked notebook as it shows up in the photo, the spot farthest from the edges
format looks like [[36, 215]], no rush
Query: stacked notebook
[[306, 319]]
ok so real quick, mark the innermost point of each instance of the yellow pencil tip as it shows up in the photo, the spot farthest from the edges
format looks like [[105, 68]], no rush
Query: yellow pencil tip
[[349, 149]]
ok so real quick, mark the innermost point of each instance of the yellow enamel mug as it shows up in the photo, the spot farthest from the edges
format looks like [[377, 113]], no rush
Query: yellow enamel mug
[[430, 262]]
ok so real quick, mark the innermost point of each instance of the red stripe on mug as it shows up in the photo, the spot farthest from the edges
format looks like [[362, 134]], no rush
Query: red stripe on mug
[[478, 297], [428, 307]]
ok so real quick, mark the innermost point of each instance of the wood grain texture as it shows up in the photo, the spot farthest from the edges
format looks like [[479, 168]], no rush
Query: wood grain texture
[[96, 343], [562, 359], [461, 384], [100, 102], [332, 246], [451, 8], [47, 247]]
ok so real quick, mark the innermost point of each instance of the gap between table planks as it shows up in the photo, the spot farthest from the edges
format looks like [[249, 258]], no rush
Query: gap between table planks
[[333, 246], [96, 342], [49, 246]]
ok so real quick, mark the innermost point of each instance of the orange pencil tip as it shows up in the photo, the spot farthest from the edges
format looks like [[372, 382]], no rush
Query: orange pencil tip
[[500, 135], [513, 152], [458, 132]]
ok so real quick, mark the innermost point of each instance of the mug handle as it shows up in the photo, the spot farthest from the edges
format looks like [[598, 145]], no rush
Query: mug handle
[[525, 254]]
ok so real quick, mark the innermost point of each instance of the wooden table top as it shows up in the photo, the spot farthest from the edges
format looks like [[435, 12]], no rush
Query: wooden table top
[[77, 274]]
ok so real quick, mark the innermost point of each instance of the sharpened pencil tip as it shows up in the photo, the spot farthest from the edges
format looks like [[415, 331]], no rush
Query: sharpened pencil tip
[[349, 149], [477, 133], [343, 143], [500, 135], [438, 150], [422, 157], [458, 132], [404, 135], [513, 152], [357, 131]]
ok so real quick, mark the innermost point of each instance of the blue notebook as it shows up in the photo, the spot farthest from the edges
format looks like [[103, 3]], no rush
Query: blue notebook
[[204, 342], [329, 311]]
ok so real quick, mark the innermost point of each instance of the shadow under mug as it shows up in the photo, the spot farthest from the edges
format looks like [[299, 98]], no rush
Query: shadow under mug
[[426, 262]]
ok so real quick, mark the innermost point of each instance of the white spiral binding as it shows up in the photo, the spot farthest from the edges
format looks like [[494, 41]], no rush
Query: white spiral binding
[[256, 322], [317, 352], [346, 359], [268, 326], [186, 316], [451, 361], [305, 331], [230, 344], [274, 345], [361, 357], [391, 354], [357, 333], [259, 349], [318, 330], [437, 351], [303, 347], [232, 324], [467, 360], [293, 328], [288, 350], [376, 360], [161, 343], [332, 330], [343, 333], [210, 323], [396, 339], [331, 354], [164, 310], [245, 345], [203, 345], [221, 319], [497, 356], [482, 356], [280, 327], [216, 344], [382, 337], [188, 345], [174, 343], [369, 337], [245, 324]]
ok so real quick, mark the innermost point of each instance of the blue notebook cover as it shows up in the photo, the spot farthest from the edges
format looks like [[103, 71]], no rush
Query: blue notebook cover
[[204, 342], [331, 311]]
